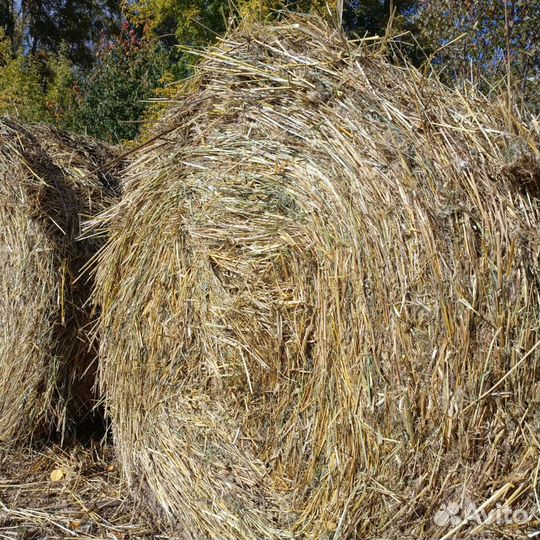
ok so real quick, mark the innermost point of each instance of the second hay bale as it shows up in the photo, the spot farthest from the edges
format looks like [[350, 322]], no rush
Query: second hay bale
[[49, 182]]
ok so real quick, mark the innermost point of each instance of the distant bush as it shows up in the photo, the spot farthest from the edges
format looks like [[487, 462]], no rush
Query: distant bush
[[36, 87], [127, 72]]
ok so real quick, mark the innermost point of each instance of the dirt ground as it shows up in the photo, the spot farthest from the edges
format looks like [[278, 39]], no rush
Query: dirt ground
[[63, 493]]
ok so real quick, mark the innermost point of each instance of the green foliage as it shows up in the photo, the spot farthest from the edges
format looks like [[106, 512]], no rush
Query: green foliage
[[371, 16], [198, 22], [55, 81], [191, 22], [51, 23], [61, 97], [126, 73], [20, 90], [486, 42], [72, 64], [36, 88], [263, 9], [8, 20], [259, 9]]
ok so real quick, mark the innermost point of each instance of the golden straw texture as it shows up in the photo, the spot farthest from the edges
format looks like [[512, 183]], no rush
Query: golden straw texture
[[320, 299], [48, 184]]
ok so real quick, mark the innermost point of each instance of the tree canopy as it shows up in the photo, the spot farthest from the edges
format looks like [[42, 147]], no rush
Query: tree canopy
[[93, 65], [487, 42]]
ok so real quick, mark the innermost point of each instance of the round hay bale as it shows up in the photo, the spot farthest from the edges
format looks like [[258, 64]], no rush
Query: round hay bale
[[320, 300], [48, 184]]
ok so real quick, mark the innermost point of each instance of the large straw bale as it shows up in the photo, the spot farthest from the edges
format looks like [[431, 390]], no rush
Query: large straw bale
[[48, 184], [320, 299]]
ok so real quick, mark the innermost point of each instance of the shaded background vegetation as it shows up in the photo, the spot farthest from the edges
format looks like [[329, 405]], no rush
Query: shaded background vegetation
[[97, 66]]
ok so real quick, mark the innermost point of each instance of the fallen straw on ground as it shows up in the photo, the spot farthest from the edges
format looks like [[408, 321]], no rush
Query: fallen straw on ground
[[63, 493]]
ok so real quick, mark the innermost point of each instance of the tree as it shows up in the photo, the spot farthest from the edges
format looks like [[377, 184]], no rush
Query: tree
[[190, 22], [8, 18], [36, 88], [71, 63], [371, 16], [199, 22], [127, 71], [487, 42], [75, 24]]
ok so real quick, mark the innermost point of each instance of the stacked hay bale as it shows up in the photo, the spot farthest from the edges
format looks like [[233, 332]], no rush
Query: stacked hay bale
[[49, 182], [320, 300]]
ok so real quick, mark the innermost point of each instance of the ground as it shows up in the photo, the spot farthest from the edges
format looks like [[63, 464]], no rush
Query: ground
[[63, 493]]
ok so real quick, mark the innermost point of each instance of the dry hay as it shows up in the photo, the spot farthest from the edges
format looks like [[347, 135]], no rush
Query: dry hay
[[48, 183], [66, 493], [320, 299]]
